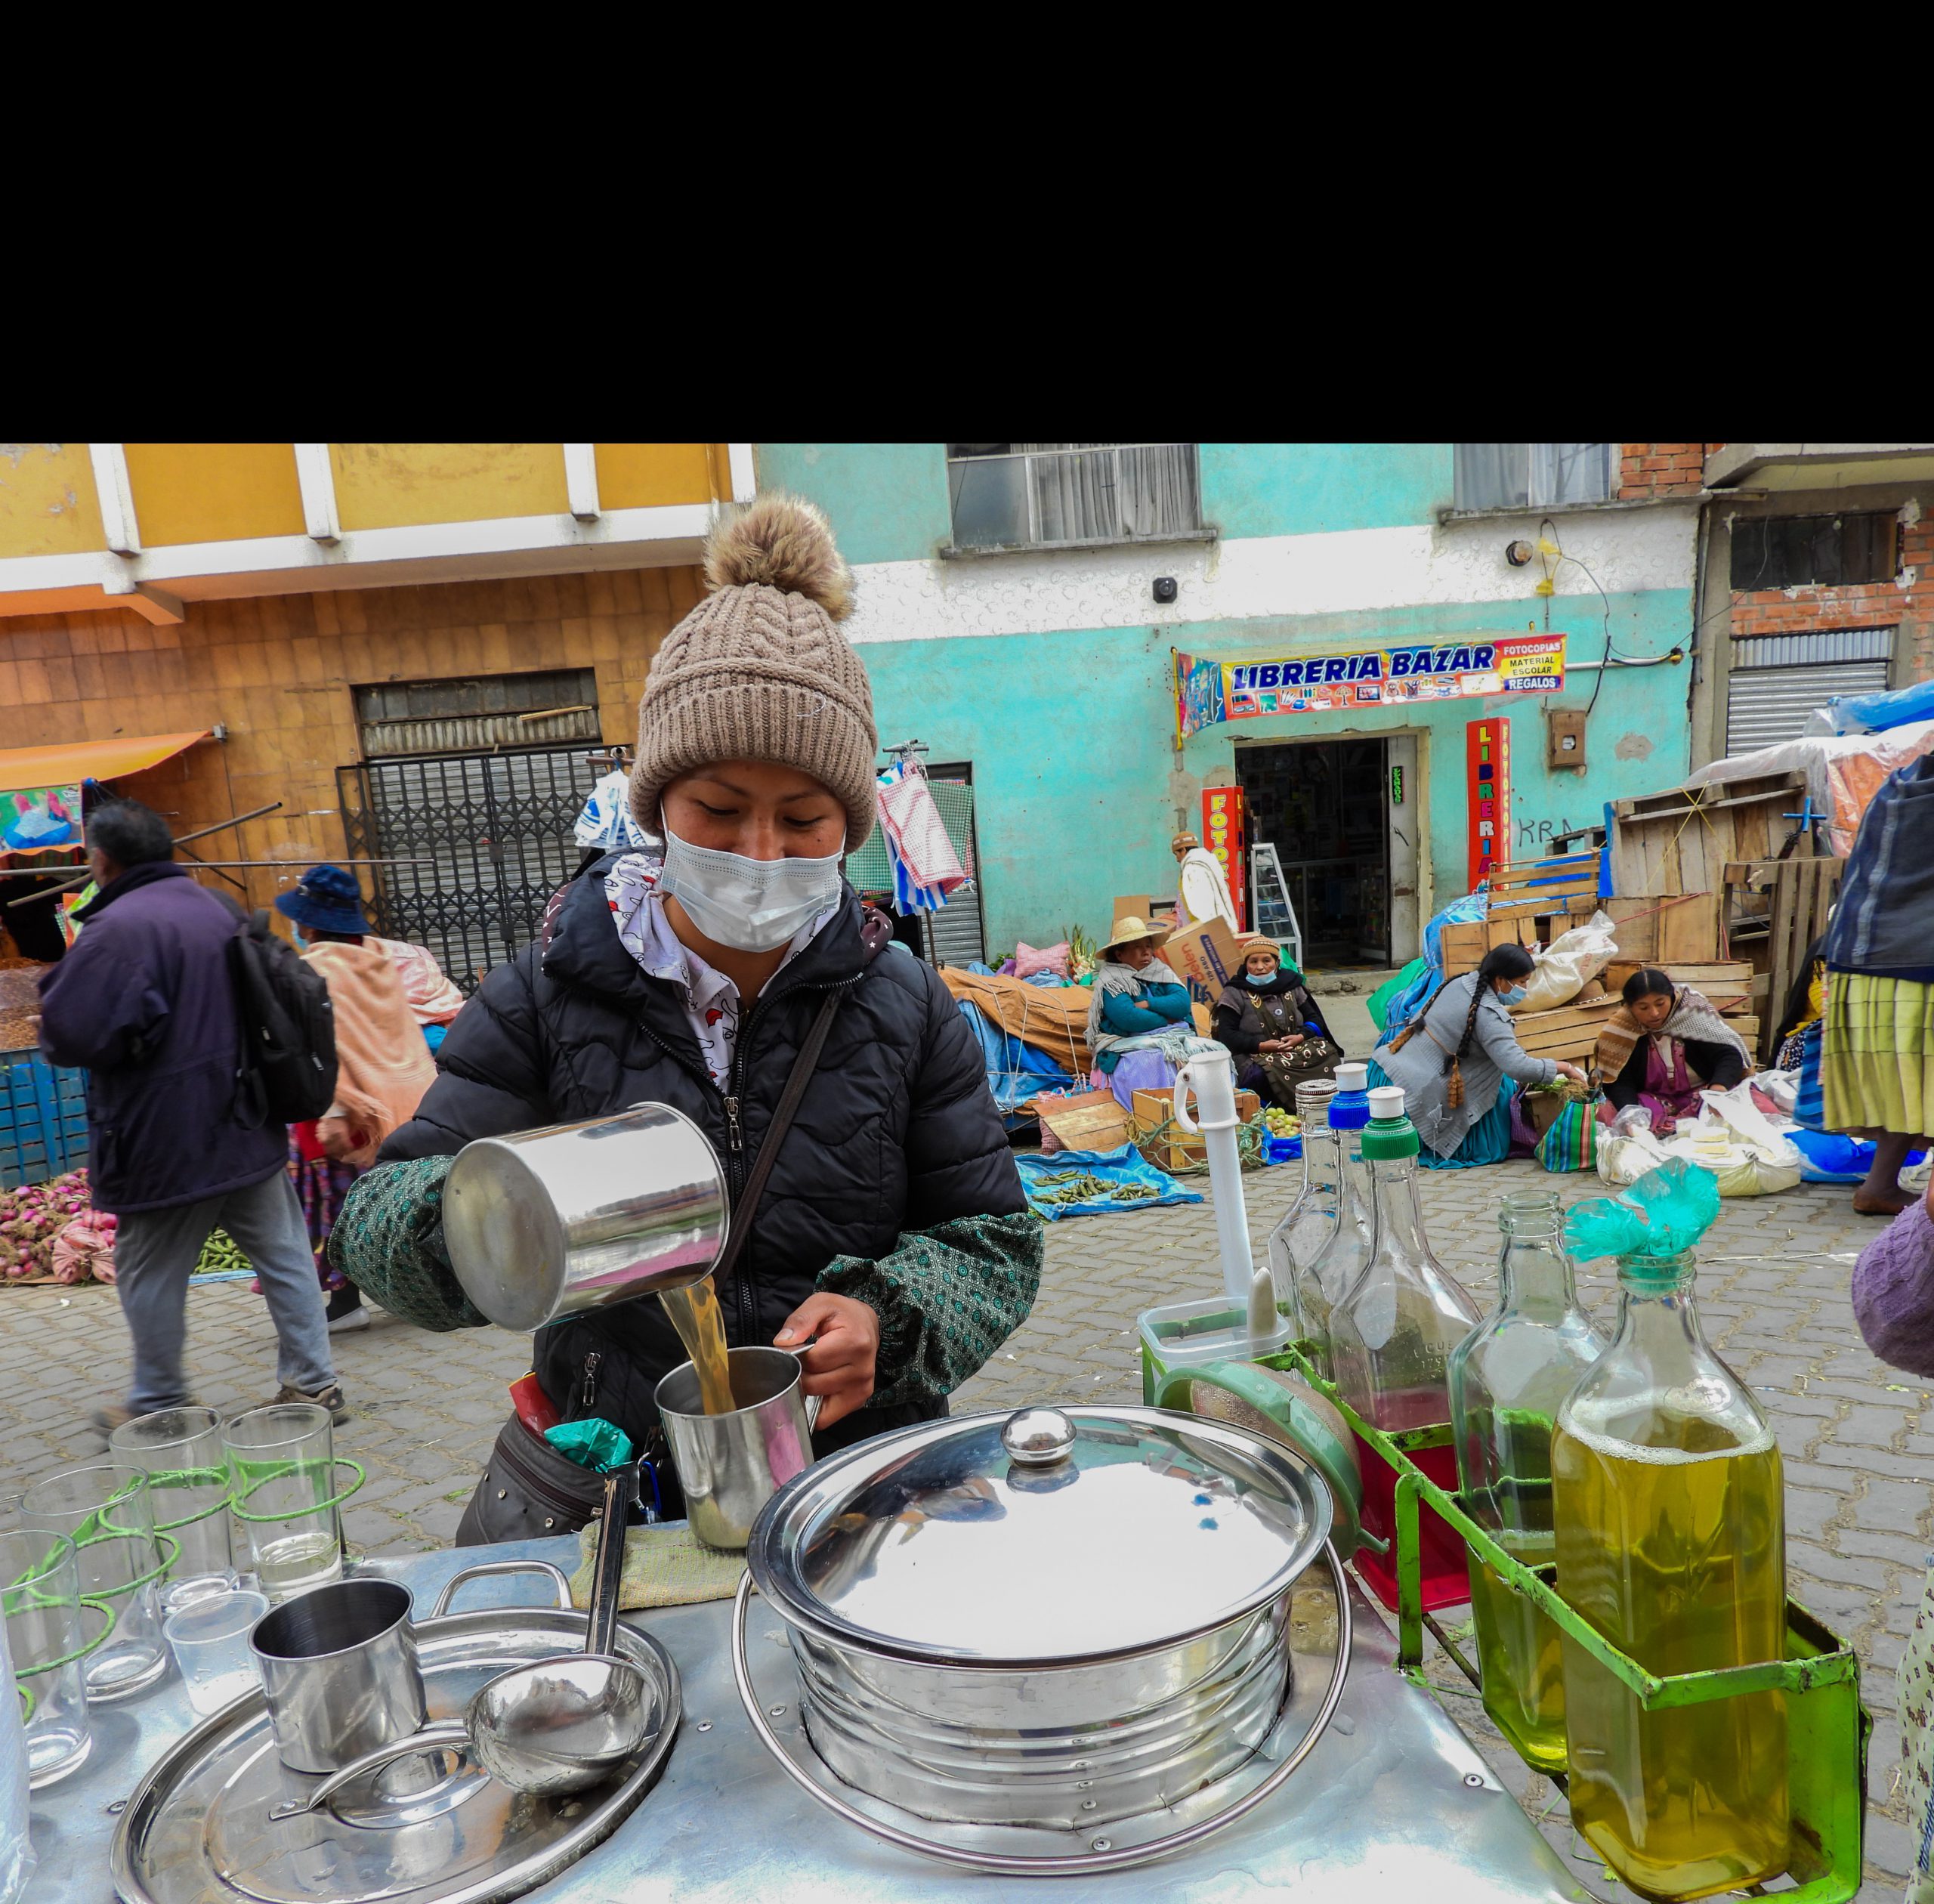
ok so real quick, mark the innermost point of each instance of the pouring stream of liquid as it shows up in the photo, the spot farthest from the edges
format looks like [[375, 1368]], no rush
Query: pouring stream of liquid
[[694, 1314]]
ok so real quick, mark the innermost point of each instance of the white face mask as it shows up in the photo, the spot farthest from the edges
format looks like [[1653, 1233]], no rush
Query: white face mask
[[754, 905]]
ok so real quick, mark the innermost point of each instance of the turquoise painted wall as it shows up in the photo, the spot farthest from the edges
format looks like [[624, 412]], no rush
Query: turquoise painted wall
[[887, 501], [1070, 735], [1303, 489]]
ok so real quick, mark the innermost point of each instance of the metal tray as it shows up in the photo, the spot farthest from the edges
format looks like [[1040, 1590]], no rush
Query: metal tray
[[196, 1830]]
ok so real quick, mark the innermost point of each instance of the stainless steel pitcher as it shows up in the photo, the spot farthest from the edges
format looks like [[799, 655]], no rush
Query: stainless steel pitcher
[[548, 1223]]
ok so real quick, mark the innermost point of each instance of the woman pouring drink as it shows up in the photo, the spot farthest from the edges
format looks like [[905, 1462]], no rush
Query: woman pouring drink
[[892, 1235]]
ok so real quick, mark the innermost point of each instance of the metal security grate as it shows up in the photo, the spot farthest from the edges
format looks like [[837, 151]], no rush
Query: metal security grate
[[495, 830], [1777, 680], [520, 711]]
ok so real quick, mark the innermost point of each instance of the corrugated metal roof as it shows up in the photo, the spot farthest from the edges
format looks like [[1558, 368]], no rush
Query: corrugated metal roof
[[1765, 705], [1806, 651]]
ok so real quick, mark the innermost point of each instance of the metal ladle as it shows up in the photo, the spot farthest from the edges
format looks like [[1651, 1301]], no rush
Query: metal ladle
[[557, 1725]]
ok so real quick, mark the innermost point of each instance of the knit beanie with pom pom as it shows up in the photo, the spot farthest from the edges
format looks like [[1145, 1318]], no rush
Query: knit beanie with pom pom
[[759, 669]]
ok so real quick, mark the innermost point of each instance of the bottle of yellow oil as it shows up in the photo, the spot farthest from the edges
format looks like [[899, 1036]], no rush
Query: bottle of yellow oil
[[1671, 1542], [1508, 1380]]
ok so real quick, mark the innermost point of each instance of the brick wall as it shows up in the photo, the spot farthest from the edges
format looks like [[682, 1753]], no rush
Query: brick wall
[[1649, 469], [1907, 601], [278, 671]]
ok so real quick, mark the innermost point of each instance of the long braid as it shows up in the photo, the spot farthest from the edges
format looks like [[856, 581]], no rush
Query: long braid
[[1500, 962]]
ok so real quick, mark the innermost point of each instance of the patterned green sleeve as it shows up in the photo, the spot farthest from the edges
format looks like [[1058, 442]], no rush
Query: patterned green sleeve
[[947, 1299], [388, 1241]]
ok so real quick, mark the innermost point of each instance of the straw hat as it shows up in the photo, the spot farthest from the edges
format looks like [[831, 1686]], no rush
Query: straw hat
[[1184, 842], [1127, 930]]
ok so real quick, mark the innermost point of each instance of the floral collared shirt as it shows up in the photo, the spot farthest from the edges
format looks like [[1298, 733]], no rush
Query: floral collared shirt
[[711, 1002]]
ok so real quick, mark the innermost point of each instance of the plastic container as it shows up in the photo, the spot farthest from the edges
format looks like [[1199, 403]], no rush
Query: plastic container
[[1320, 1283], [1508, 1380], [1667, 1494], [1188, 1335], [1391, 1339]]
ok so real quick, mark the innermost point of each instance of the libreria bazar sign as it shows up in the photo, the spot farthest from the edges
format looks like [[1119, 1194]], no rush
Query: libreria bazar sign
[[1208, 692]]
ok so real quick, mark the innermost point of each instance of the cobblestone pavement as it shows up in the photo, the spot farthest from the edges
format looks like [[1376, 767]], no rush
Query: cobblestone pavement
[[1858, 1437]]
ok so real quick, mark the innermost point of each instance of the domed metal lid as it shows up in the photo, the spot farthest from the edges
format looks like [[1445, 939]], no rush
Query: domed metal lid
[[1048, 1537]]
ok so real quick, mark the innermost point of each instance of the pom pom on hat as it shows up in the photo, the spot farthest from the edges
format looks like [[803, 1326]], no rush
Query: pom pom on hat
[[781, 541]]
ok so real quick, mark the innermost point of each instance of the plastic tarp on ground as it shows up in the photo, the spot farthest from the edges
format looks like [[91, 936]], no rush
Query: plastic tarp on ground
[[1115, 1168], [1016, 1070], [1843, 771]]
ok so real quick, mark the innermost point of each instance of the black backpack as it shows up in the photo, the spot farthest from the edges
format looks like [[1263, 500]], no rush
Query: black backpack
[[286, 1065]]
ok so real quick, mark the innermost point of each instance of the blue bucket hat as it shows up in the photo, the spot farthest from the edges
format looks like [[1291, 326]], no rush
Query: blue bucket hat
[[328, 900]]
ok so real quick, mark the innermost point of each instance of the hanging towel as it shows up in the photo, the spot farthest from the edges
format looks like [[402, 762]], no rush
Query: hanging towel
[[607, 819], [912, 822]]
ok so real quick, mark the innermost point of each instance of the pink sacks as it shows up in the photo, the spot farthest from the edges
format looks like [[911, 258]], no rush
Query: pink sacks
[[85, 1248], [1029, 959]]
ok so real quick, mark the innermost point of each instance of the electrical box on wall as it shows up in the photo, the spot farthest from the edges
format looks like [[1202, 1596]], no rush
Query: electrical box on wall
[[1564, 737]]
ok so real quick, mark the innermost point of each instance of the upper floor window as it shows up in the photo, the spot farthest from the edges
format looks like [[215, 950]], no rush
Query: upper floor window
[[1019, 494], [1534, 475], [1790, 551]]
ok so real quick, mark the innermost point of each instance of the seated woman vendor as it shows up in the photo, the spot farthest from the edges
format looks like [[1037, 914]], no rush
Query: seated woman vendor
[[1272, 1026], [1136, 1001], [1662, 1046], [892, 1243]]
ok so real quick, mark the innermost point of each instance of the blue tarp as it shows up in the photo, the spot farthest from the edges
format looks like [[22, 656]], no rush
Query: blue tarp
[[1468, 910], [1114, 1167], [1015, 1071]]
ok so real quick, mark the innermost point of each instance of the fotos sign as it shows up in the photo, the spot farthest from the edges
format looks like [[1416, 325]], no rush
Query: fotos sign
[[1209, 692]]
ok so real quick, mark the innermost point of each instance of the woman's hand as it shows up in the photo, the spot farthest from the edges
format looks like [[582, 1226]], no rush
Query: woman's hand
[[1269, 1045], [839, 1367], [1291, 1040], [339, 1140], [1574, 1072]]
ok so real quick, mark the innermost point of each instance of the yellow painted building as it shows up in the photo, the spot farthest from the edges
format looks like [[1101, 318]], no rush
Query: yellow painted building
[[415, 649]]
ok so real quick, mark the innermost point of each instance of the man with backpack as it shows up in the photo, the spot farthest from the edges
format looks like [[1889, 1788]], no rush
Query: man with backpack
[[185, 1111]]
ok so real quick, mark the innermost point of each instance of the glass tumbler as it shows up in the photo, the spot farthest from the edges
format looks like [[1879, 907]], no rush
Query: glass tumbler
[[180, 1451], [282, 1468], [209, 1638], [48, 1627], [109, 1517]]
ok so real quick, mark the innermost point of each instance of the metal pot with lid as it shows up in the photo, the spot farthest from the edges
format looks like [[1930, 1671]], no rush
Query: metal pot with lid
[[1055, 1617]]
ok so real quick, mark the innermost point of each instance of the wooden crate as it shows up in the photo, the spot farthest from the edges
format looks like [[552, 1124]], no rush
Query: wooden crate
[[1682, 929], [1462, 948], [1681, 841], [1570, 884], [1727, 988], [1081, 1121], [1153, 1109], [1570, 1032], [1802, 892]]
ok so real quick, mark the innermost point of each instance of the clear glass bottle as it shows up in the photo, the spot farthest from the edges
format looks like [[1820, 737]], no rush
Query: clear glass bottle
[[1307, 1224], [1345, 1253], [1508, 1380], [1391, 1338], [1667, 1494]]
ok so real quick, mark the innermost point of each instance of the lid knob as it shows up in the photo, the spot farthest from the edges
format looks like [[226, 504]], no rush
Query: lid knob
[[1037, 1437]]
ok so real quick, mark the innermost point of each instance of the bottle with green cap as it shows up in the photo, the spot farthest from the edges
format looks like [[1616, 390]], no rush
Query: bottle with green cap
[[1508, 1380], [1344, 1250], [1667, 1497], [1391, 1338]]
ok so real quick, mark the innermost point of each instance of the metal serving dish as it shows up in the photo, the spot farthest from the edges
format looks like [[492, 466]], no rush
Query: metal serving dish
[[200, 1827], [1050, 1619], [545, 1224]]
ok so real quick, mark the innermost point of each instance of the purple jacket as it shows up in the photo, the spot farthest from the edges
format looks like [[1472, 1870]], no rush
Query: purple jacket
[[144, 1003], [1893, 1291]]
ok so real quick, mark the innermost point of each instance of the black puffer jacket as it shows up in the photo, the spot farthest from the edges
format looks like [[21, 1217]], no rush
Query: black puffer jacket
[[897, 1130]]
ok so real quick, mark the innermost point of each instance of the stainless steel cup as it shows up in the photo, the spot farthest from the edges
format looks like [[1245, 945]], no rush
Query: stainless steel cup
[[339, 1668], [730, 1466], [548, 1223]]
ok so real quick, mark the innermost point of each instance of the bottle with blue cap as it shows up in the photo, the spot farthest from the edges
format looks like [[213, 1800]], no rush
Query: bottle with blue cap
[[1391, 1338], [1320, 1282]]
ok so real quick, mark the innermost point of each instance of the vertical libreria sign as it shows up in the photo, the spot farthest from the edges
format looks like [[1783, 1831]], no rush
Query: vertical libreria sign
[[1487, 764], [1209, 692]]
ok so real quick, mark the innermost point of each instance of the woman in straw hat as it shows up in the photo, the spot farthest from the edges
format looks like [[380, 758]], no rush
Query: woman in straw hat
[[892, 1235], [1134, 997]]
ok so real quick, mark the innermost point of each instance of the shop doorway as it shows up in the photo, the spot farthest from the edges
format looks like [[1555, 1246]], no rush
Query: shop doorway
[[1339, 813]]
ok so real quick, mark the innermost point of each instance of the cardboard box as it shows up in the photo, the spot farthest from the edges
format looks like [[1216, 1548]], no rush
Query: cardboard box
[[1083, 1120], [1135, 905], [1153, 1109], [1205, 954]]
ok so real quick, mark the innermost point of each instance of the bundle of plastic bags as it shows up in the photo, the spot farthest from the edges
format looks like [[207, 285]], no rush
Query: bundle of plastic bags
[[1731, 1138]]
